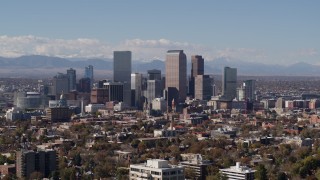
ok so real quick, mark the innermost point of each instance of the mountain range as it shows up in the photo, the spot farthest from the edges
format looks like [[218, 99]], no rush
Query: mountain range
[[34, 66]]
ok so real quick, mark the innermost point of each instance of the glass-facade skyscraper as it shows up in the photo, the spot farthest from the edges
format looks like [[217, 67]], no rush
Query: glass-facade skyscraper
[[88, 73], [176, 76], [122, 72], [229, 83], [136, 90], [71, 73], [250, 88]]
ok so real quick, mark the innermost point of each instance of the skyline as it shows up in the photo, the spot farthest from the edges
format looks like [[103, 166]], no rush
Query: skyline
[[273, 32]]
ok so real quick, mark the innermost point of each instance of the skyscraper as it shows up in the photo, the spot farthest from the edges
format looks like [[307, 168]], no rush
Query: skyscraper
[[88, 73], [114, 90], [154, 85], [154, 74], [229, 83], [197, 68], [250, 88], [60, 84], [122, 72], [71, 73], [176, 76], [84, 85], [136, 90], [154, 89], [203, 87]]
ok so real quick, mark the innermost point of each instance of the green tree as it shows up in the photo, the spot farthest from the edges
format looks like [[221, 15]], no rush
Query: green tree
[[122, 173], [261, 173]]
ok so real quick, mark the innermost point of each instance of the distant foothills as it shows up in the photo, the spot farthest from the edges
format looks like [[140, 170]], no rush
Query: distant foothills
[[35, 66]]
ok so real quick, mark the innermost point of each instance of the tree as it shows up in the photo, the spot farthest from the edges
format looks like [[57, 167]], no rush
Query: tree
[[122, 173], [217, 176], [282, 176], [68, 173], [36, 175], [261, 173], [190, 173], [318, 174], [142, 147], [55, 175], [77, 159], [4, 159], [135, 143], [212, 170]]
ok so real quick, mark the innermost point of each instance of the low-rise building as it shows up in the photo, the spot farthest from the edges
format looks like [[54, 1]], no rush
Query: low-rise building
[[156, 169], [227, 131], [7, 169], [58, 114], [92, 108], [307, 142], [164, 133], [238, 172], [195, 163], [159, 104]]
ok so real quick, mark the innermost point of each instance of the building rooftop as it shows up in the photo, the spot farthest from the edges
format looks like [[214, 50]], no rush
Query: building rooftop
[[238, 169], [174, 51], [156, 164]]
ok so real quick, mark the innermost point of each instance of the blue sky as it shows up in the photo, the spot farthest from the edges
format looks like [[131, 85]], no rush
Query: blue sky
[[273, 31]]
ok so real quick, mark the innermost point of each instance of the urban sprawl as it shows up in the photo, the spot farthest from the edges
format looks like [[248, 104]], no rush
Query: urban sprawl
[[171, 125]]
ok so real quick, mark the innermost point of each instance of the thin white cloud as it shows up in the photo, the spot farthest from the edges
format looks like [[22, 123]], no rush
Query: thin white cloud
[[309, 52], [13, 46], [249, 54]]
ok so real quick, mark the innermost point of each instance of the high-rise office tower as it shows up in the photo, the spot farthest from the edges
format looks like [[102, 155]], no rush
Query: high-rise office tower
[[176, 76], [154, 85], [114, 90], [249, 88], [197, 68], [154, 89], [154, 74], [71, 73], [122, 72], [88, 73], [203, 87], [99, 96], [136, 90], [60, 84], [84, 85], [229, 83]]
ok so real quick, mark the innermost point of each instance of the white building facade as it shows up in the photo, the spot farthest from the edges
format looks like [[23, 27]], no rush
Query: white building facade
[[238, 172], [156, 169]]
